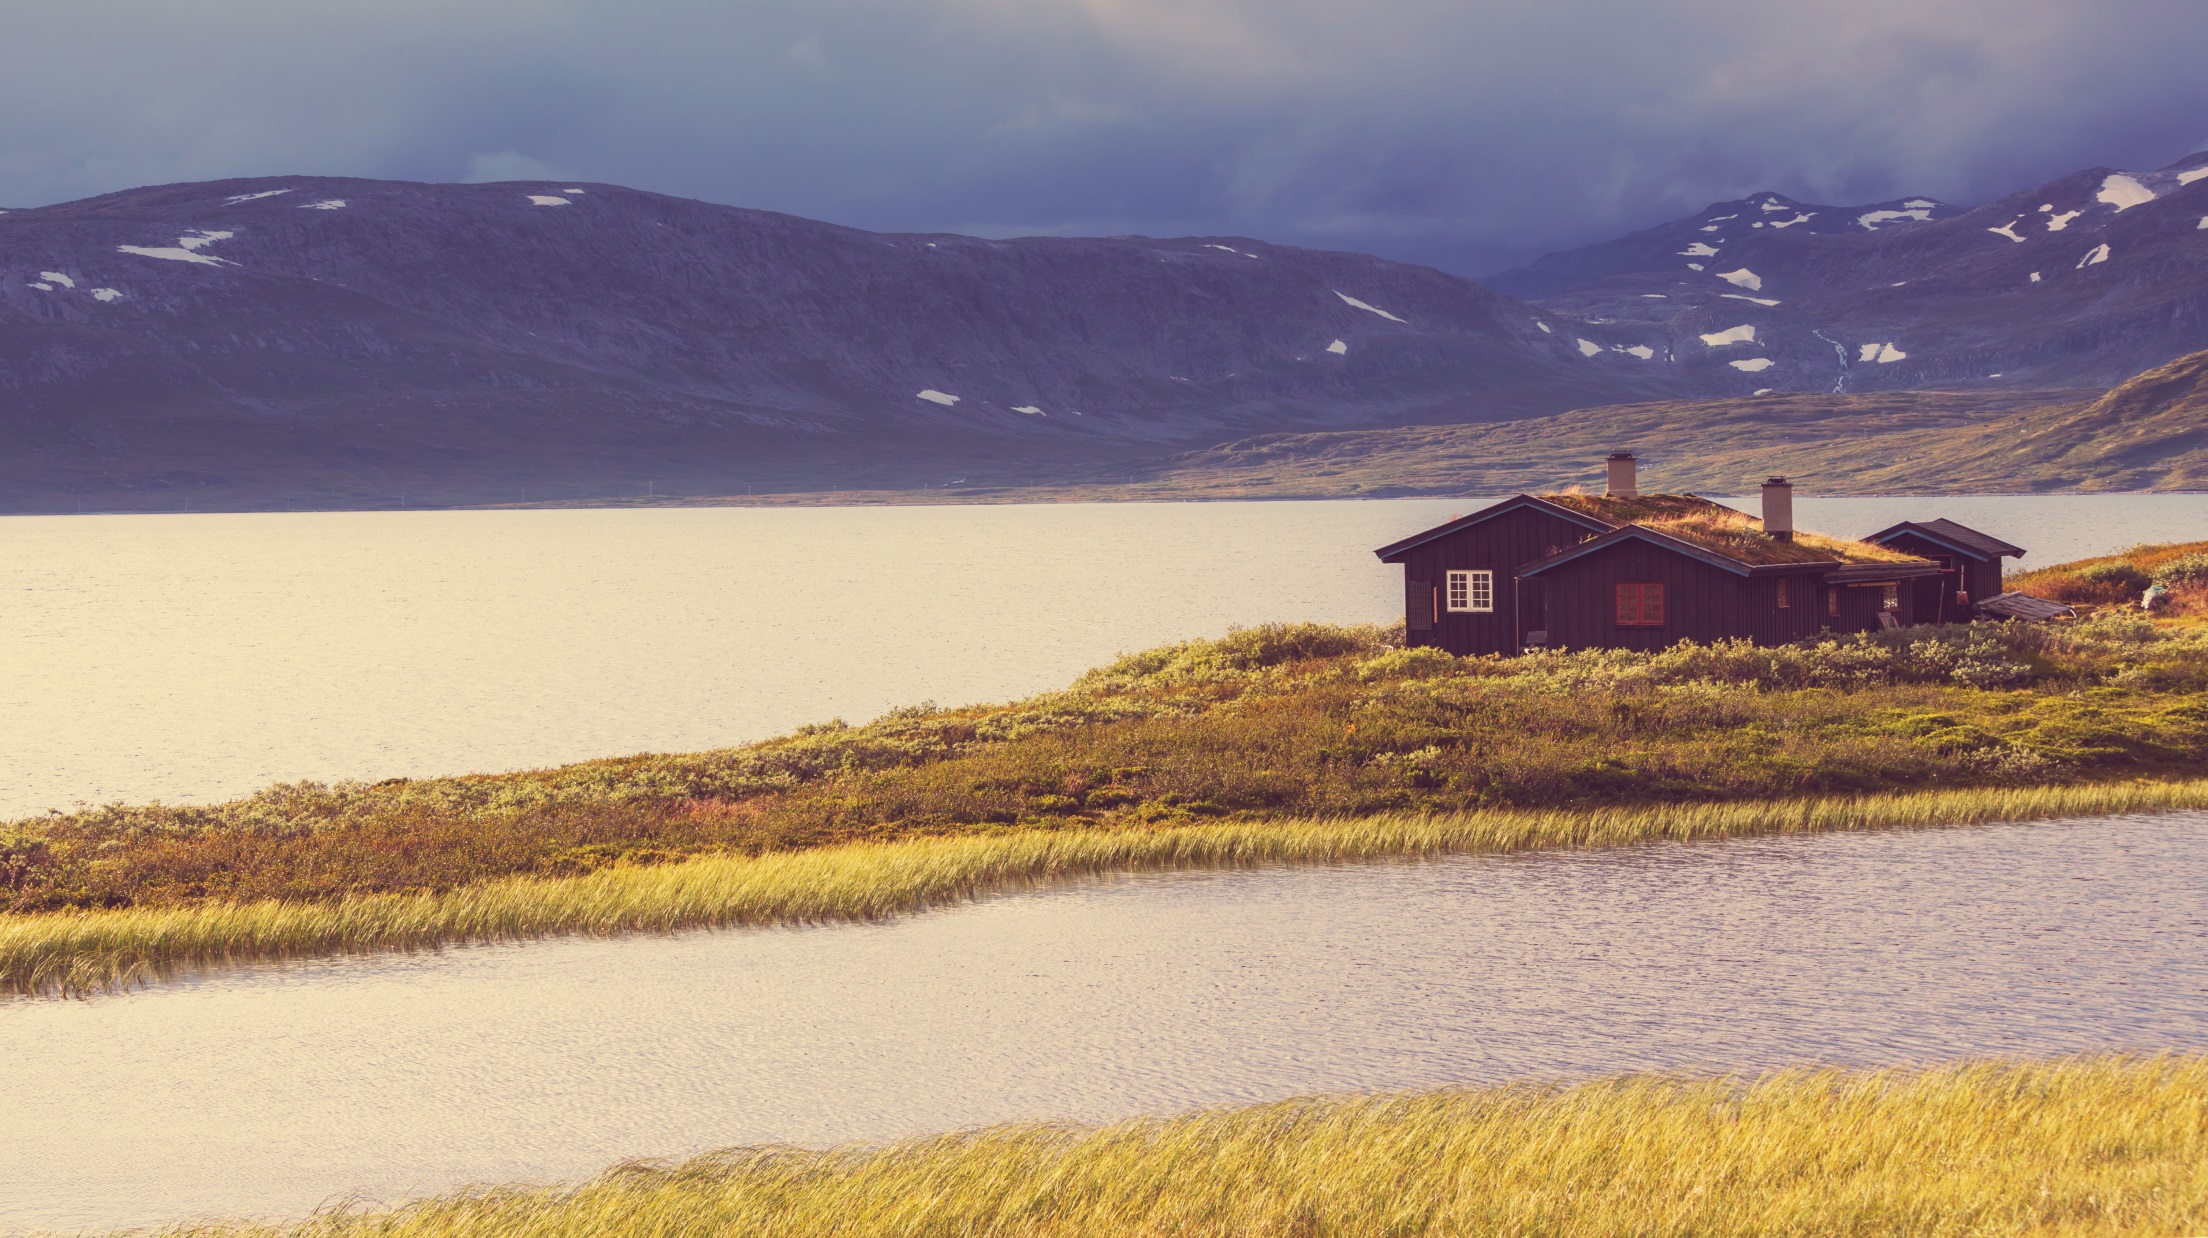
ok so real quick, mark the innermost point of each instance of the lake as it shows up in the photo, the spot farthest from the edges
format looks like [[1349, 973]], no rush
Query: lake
[[198, 657], [271, 1090]]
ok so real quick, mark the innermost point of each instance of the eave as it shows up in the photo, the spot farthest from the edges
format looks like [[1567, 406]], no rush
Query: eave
[[1394, 551]]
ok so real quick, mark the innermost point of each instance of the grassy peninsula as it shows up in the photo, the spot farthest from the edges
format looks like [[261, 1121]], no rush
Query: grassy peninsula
[[1285, 742], [2075, 1146]]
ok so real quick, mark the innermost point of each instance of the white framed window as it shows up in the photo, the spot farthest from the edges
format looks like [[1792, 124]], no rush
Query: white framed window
[[1473, 591]]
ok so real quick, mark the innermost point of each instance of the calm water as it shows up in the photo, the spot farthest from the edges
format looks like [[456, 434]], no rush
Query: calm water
[[199, 657], [269, 1091]]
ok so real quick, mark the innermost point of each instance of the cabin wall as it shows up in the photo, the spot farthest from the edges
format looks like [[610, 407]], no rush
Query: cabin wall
[[1976, 575], [1701, 602], [1501, 545]]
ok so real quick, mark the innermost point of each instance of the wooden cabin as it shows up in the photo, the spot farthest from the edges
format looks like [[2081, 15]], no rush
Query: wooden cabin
[[1970, 561], [1624, 570]]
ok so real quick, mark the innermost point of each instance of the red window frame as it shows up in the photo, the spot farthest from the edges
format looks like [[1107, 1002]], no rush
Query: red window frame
[[1786, 595], [1640, 604]]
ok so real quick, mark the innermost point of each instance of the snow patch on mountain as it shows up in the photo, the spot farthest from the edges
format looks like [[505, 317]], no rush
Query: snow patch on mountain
[[1588, 348], [1643, 351], [1745, 333], [2009, 230], [1743, 278], [106, 294], [2123, 192], [1802, 217], [2094, 256], [1736, 296], [1773, 204], [2035, 274], [1875, 220], [2056, 223], [1340, 349], [326, 204], [57, 277], [1700, 249], [1370, 309], [186, 248], [2189, 175], [1030, 410], [1753, 365], [253, 197], [932, 396], [1884, 354], [1544, 328], [545, 199]]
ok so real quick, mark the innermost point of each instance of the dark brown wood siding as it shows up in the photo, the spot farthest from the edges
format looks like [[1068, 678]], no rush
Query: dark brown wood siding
[[1701, 602], [1500, 545], [1976, 575]]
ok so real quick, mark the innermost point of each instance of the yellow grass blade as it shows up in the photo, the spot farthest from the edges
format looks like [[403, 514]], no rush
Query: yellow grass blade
[[2083, 1146], [78, 951]]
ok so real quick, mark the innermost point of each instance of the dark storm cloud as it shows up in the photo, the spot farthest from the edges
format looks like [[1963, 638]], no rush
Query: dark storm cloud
[[1469, 135]]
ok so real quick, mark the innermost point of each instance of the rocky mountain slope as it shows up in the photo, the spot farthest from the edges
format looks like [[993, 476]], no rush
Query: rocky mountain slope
[[2084, 280], [337, 341], [362, 343]]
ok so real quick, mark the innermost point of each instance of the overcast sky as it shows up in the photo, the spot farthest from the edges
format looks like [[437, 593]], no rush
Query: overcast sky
[[1464, 133]]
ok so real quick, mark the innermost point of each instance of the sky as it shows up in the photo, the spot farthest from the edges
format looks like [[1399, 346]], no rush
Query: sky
[[1469, 135]]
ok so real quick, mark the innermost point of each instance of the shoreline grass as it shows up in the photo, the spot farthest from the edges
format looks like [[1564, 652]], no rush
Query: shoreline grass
[[74, 952], [2083, 1145]]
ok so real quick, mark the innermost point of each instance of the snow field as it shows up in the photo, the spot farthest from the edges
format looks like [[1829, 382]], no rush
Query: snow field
[[1370, 309]]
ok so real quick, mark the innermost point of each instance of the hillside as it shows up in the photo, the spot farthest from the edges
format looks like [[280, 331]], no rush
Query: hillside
[[2148, 433], [341, 341]]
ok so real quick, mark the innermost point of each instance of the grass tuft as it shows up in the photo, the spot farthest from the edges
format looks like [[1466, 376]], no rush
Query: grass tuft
[[2081, 1146], [81, 951]]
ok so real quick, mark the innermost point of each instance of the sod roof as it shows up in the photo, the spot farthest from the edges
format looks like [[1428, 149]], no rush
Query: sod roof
[[1723, 530]]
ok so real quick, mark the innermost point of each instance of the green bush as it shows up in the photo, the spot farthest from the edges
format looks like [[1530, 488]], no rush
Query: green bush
[[2188, 570], [2116, 581]]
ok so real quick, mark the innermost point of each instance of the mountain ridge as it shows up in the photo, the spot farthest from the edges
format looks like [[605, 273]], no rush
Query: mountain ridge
[[346, 342]]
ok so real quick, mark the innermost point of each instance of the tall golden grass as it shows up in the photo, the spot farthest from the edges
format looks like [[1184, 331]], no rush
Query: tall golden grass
[[81, 951], [2079, 1146]]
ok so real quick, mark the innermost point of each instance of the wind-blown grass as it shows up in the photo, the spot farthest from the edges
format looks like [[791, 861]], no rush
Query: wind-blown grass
[[2079, 1146], [76, 951]]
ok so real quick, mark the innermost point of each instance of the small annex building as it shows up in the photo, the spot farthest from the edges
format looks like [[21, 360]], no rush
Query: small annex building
[[1970, 561], [1626, 570]]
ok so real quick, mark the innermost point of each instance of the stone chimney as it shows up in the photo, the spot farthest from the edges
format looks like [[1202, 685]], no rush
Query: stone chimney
[[1778, 509], [1623, 481]]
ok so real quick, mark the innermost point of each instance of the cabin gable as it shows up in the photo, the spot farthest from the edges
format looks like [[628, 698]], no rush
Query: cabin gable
[[1970, 566], [1501, 544], [1583, 607]]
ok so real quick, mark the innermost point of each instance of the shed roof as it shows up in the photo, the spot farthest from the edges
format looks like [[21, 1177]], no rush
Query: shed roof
[[2025, 606], [1958, 536], [1684, 520]]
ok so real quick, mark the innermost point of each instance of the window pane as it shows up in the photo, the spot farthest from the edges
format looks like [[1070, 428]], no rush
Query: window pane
[[1652, 603]]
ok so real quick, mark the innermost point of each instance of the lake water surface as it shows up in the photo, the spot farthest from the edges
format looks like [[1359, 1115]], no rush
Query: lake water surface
[[197, 657], [271, 1090]]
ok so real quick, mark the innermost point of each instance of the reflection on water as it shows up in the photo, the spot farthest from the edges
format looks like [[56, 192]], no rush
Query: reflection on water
[[270, 1090], [190, 658]]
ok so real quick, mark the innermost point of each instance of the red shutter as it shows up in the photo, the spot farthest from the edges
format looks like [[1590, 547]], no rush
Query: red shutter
[[1640, 606]]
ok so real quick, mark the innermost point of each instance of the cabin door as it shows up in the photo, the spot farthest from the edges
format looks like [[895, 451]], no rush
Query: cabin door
[[1533, 614]]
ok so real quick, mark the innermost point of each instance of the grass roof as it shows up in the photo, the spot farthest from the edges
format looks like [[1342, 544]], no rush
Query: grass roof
[[1725, 530]]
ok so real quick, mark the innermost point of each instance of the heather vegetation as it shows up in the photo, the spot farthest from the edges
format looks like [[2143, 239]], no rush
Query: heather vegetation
[[1265, 724], [2077, 1146], [2119, 580]]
